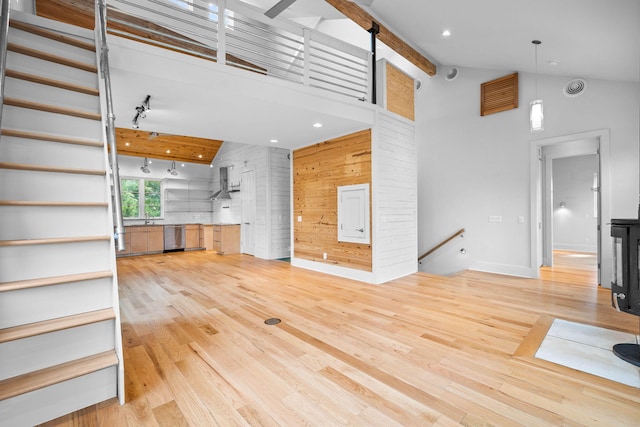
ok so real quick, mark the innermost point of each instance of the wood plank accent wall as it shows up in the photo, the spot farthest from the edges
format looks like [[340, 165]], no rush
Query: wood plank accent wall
[[499, 95], [318, 170], [400, 91]]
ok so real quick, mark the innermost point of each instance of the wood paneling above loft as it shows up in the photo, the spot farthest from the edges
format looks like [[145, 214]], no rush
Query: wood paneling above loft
[[363, 19], [400, 92], [499, 95], [182, 148]]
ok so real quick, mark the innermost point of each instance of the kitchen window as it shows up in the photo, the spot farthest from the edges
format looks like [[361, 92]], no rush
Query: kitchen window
[[141, 198]]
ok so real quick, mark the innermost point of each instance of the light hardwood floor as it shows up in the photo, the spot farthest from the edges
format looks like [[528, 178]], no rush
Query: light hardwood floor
[[422, 350]]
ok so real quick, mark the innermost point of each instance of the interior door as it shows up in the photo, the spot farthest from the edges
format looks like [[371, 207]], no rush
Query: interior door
[[248, 227]]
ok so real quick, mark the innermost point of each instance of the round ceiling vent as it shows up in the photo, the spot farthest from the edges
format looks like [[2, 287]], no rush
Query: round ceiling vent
[[575, 87], [451, 74]]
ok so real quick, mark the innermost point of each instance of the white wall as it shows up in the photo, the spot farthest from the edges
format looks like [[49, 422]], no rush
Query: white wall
[[473, 167], [272, 222], [574, 226]]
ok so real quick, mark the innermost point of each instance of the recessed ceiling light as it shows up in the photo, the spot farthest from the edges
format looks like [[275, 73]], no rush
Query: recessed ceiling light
[[446, 33], [273, 141], [127, 144], [317, 125], [168, 151], [150, 162], [554, 62], [211, 165], [199, 156], [183, 165]]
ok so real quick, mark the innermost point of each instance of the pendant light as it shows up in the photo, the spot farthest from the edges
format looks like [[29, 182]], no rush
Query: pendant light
[[536, 115]]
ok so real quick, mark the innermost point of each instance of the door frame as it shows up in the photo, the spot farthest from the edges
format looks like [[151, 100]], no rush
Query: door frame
[[537, 198], [243, 224]]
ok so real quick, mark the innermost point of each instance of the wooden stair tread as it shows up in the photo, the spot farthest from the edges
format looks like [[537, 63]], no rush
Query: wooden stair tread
[[31, 381], [51, 108], [38, 168], [29, 203], [50, 241], [54, 325], [53, 35], [51, 58], [54, 280], [52, 138], [51, 82]]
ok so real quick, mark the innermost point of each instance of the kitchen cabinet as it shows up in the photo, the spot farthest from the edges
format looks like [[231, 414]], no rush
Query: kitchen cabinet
[[141, 239], [194, 236], [226, 238]]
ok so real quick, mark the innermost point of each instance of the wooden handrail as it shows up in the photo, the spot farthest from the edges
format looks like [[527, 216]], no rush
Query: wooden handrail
[[441, 244]]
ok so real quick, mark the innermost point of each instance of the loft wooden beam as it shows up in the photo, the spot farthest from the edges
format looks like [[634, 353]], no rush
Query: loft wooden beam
[[362, 18]]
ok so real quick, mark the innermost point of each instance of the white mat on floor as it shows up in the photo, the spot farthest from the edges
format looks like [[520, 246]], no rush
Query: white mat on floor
[[589, 349]]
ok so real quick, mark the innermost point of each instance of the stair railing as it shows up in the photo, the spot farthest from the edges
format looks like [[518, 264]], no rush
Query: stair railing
[[4, 31], [101, 26], [441, 244]]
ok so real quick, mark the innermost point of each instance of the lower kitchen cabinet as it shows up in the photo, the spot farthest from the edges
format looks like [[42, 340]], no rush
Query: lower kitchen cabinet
[[194, 236], [141, 239], [226, 239]]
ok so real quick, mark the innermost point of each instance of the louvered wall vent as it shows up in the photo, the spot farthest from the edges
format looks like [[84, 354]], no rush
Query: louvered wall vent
[[574, 88], [499, 95]]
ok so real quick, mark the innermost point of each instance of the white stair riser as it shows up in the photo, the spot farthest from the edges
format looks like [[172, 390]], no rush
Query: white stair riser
[[52, 402], [53, 123], [48, 153], [49, 186], [35, 261], [42, 222], [51, 95], [23, 356], [53, 47], [52, 70], [24, 306]]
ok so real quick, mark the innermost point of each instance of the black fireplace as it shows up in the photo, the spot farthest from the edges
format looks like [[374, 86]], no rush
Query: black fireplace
[[625, 284]]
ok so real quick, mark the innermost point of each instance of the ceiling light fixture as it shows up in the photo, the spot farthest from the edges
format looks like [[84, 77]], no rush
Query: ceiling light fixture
[[145, 166], [446, 33], [536, 114], [173, 170], [317, 125]]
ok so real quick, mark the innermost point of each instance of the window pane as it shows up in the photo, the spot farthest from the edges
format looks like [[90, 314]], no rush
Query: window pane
[[152, 206], [130, 198]]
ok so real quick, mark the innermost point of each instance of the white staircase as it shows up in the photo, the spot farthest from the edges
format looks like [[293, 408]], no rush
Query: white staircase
[[60, 342]]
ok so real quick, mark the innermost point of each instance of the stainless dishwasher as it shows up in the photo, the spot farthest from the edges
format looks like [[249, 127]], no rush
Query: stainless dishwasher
[[174, 237]]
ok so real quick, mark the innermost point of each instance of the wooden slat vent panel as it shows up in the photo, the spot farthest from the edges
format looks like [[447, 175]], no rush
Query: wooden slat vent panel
[[499, 95]]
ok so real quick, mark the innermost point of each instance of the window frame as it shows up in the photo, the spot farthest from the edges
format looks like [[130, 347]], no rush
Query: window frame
[[142, 196]]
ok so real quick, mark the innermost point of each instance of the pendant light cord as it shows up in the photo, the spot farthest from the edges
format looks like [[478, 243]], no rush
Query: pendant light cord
[[536, 43]]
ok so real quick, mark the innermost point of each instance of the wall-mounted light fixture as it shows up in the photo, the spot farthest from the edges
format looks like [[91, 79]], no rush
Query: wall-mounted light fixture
[[141, 111], [563, 205], [145, 166], [173, 170]]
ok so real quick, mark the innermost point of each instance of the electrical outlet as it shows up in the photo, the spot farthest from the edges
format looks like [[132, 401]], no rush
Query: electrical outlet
[[299, 218], [324, 255]]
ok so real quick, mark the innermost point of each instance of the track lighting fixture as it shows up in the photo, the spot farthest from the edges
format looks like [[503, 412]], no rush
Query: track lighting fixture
[[173, 170], [145, 166], [141, 111]]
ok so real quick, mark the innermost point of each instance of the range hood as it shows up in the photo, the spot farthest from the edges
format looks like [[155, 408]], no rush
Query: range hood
[[223, 193]]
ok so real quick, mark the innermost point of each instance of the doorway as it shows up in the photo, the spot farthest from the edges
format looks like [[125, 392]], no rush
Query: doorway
[[248, 216], [554, 207]]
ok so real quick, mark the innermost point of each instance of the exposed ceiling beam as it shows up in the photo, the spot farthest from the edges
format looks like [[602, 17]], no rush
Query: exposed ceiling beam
[[363, 19]]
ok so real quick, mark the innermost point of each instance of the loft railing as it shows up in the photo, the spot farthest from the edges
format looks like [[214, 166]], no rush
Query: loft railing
[[4, 32], [238, 35], [441, 244], [101, 29]]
